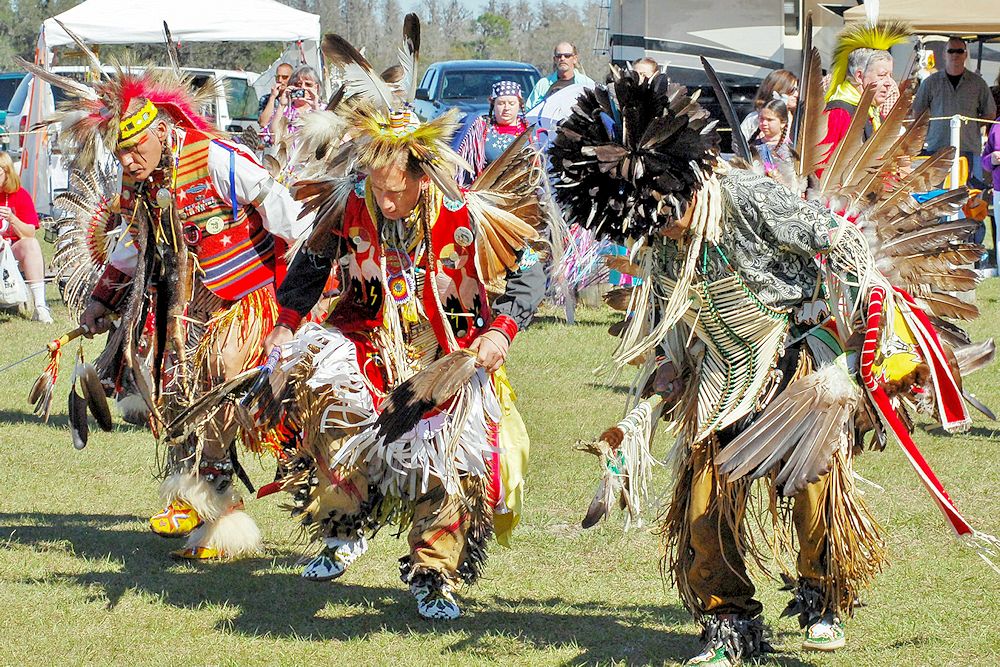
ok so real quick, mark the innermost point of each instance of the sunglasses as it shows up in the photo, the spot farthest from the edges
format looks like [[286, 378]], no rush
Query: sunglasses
[[563, 55], [956, 51]]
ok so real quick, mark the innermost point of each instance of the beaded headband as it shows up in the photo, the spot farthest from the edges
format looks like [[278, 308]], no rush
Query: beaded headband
[[132, 126]]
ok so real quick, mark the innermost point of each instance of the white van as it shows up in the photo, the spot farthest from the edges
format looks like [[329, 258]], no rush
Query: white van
[[232, 111]]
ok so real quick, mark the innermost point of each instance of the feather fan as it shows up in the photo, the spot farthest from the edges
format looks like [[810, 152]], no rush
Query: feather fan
[[849, 146], [800, 430], [406, 405]]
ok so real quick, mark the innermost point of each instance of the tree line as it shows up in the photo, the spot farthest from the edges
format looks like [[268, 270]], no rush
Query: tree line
[[505, 29]]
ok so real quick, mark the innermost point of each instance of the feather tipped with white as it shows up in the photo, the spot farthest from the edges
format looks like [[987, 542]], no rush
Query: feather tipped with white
[[318, 144], [409, 56], [71, 86], [360, 78]]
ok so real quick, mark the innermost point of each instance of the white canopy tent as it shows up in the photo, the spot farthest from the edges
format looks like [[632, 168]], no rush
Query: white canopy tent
[[132, 22], [966, 17], [141, 22]]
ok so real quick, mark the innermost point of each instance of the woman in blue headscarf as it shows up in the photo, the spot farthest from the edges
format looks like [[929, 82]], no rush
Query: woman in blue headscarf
[[490, 135]]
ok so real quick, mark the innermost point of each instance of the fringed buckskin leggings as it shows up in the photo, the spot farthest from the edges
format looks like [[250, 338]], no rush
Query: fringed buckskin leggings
[[716, 573]]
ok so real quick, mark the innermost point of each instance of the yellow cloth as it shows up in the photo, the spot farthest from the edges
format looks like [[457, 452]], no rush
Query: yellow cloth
[[514, 446], [898, 357]]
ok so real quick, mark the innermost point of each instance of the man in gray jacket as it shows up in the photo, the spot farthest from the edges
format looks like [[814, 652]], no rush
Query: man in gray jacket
[[956, 90]]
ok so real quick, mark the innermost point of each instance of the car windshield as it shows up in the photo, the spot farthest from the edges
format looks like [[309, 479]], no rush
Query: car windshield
[[8, 85], [476, 84], [16, 104], [242, 99]]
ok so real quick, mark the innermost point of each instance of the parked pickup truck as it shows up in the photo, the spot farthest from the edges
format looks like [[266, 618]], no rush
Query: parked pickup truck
[[466, 84]]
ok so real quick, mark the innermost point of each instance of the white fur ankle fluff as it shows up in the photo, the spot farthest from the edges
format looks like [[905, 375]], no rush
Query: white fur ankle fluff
[[234, 535], [199, 494], [132, 408]]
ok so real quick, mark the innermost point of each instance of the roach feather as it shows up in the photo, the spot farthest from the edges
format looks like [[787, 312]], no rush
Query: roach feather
[[740, 144]]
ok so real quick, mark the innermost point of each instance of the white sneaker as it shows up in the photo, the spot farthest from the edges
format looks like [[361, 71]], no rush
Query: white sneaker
[[42, 315], [334, 559], [826, 634], [435, 601]]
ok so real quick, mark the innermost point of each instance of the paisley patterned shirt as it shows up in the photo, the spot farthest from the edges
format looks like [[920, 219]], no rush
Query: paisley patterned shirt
[[770, 238]]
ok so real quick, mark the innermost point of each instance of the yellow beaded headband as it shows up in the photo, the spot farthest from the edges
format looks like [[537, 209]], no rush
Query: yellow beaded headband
[[131, 127]]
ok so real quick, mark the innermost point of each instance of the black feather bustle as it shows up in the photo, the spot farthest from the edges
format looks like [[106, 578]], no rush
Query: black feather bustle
[[630, 157]]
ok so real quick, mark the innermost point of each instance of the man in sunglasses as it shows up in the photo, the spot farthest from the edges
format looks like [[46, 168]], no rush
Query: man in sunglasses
[[955, 90], [564, 61]]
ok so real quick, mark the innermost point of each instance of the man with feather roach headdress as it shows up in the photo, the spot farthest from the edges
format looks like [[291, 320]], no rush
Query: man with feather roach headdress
[[398, 410], [760, 360], [198, 219]]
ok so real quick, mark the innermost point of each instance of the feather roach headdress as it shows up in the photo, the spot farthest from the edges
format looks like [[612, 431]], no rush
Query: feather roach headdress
[[379, 114], [880, 36], [119, 107], [632, 155]]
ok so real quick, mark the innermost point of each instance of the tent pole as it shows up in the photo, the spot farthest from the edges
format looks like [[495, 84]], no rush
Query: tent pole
[[979, 58]]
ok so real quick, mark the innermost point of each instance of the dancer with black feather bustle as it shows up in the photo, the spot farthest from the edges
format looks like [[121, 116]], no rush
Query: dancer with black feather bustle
[[739, 355]]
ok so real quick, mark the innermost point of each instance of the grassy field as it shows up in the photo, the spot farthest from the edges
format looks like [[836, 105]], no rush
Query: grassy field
[[84, 582]]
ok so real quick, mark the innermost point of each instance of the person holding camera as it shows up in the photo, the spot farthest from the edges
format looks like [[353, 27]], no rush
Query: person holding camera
[[301, 96], [269, 103]]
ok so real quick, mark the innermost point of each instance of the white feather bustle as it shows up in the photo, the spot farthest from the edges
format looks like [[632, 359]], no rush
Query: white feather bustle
[[199, 494], [234, 535]]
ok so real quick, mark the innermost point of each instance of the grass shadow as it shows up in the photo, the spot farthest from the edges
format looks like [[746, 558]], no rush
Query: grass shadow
[[273, 600], [26, 416]]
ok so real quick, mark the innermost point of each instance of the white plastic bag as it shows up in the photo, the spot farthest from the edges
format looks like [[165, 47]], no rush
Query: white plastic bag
[[12, 288]]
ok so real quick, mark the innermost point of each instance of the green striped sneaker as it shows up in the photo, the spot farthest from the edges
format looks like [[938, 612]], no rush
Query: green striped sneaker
[[826, 634]]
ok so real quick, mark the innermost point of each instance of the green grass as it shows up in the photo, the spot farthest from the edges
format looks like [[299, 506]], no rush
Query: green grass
[[83, 581]]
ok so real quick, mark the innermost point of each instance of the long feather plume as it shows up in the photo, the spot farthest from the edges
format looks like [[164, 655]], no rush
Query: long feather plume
[[849, 146], [810, 117], [409, 56], [360, 78], [172, 55], [93, 62]]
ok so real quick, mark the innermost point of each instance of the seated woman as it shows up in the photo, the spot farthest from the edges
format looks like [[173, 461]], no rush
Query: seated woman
[[771, 141], [490, 135], [18, 224]]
